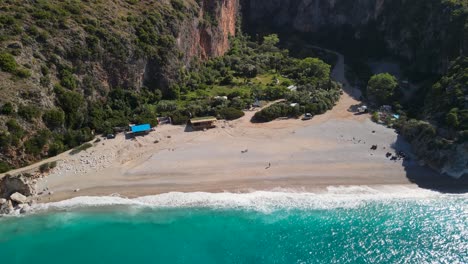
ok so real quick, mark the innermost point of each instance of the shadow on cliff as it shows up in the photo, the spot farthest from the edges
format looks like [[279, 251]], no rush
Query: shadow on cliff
[[428, 178]]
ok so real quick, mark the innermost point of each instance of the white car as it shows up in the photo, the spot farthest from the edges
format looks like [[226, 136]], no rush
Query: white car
[[307, 116]]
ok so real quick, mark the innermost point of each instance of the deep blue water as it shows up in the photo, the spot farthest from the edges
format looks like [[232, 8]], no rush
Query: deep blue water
[[396, 231]]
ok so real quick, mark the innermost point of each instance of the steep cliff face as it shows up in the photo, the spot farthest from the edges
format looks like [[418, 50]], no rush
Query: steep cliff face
[[205, 34], [428, 34], [89, 49], [208, 34]]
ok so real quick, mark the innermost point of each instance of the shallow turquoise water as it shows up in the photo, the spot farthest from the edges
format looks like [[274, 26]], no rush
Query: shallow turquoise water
[[399, 231]]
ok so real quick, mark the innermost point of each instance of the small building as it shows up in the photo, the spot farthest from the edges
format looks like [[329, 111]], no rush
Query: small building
[[201, 123], [138, 130]]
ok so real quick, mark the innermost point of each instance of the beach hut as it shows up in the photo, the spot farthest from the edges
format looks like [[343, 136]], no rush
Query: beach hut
[[138, 130], [201, 123]]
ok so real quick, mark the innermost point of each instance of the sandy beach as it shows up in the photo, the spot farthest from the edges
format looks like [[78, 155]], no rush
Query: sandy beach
[[333, 149]]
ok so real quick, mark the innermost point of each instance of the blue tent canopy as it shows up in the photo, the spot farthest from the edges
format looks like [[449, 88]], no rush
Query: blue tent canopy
[[141, 128]]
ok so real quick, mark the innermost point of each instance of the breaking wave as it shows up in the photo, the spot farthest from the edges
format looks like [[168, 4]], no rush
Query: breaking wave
[[264, 201]]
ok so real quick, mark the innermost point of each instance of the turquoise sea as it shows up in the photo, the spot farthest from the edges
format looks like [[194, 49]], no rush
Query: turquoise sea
[[254, 230]]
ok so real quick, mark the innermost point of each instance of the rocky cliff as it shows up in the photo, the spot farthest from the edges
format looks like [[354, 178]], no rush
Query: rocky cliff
[[204, 39], [82, 51], [427, 34]]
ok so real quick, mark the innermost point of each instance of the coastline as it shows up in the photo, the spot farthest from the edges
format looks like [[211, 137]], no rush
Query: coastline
[[331, 197], [333, 149]]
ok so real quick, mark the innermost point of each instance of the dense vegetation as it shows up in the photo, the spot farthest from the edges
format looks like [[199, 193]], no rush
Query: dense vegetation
[[73, 69], [445, 112], [438, 130], [68, 70], [73, 52]]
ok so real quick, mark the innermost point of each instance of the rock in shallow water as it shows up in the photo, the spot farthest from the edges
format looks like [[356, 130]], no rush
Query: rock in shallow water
[[6, 207], [24, 208]]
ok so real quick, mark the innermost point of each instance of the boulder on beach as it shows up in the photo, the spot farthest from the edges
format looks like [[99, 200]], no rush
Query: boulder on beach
[[19, 198], [22, 183]]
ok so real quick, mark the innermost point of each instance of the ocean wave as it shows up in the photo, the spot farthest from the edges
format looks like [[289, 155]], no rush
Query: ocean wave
[[264, 201]]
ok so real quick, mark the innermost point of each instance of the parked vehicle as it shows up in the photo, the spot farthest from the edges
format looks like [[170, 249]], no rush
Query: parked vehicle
[[307, 116], [362, 109]]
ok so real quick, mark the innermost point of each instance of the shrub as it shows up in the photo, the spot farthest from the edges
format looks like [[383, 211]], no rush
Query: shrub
[[451, 119], [7, 109], [44, 167], [276, 111], [230, 113], [7, 62], [178, 5], [36, 144], [54, 118], [179, 117], [23, 73], [5, 139], [53, 164], [67, 79], [56, 148], [73, 138], [166, 106], [375, 117], [16, 131], [72, 104], [28, 112], [4, 167], [81, 148]]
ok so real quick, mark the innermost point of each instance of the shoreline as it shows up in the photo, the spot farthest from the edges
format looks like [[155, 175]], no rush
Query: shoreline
[[332, 149], [331, 197]]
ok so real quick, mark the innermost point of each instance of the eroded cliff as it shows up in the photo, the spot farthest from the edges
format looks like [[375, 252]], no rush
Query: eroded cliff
[[68, 57]]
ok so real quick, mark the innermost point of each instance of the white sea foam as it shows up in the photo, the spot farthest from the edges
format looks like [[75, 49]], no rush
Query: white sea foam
[[265, 201]]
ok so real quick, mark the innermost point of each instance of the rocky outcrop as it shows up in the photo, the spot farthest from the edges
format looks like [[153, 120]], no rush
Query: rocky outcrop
[[6, 207], [428, 34], [22, 183], [456, 164], [202, 36], [15, 192], [208, 34]]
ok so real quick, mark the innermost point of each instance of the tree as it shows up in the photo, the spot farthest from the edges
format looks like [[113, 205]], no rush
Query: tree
[[452, 118], [381, 88], [310, 71], [313, 67], [270, 42], [7, 62], [230, 113], [54, 118]]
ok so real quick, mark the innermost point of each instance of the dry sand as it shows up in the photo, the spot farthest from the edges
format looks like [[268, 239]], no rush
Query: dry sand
[[331, 149]]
